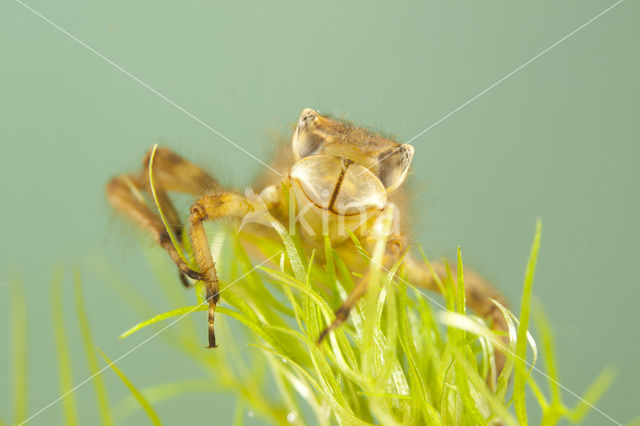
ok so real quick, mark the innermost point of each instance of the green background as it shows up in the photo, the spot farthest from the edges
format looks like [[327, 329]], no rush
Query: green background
[[558, 139]]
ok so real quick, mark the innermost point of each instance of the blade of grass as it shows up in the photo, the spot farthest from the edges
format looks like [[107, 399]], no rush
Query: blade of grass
[[142, 307], [172, 236], [19, 349], [341, 348], [121, 287], [467, 324], [330, 267], [286, 391], [461, 306], [521, 343], [463, 375], [419, 387], [285, 279], [295, 257], [592, 394], [475, 380], [163, 392], [332, 398], [503, 378], [253, 281], [238, 417], [537, 392], [435, 276], [367, 348], [161, 317], [153, 416], [431, 340], [62, 349], [532, 344], [89, 349], [546, 336]]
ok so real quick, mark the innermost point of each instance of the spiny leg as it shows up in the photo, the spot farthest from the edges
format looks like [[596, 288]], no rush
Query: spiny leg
[[124, 195], [174, 173], [171, 173], [343, 312], [209, 208]]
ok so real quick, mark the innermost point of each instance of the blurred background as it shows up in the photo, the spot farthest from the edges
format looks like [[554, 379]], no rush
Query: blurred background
[[558, 140]]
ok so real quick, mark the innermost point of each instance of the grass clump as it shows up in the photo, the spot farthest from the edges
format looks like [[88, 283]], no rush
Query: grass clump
[[398, 360], [19, 351], [392, 363]]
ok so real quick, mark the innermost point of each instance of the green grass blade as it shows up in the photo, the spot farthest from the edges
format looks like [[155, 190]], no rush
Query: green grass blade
[[330, 397], [62, 349], [521, 344], [495, 403], [290, 247], [153, 416], [408, 346], [537, 392], [546, 336], [172, 236], [330, 267], [460, 296], [314, 325], [252, 281], [164, 392], [435, 276], [141, 306], [634, 422], [238, 416], [256, 327], [89, 349], [532, 344], [368, 350], [283, 278], [121, 287], [161, 317], [503, 378], [19, 349], [593, 394], [472, 413]]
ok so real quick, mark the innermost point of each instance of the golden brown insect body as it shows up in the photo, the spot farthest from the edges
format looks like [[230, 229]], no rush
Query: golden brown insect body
[[341, 179]]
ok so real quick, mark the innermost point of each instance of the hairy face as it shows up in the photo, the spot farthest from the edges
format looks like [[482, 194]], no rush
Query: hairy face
[[343, 168]]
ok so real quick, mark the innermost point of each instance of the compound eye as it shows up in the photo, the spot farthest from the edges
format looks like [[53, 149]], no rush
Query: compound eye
[[360, 191], [393, 165], [306, 141]]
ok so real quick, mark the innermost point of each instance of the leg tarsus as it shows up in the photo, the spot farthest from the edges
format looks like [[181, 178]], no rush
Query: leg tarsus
[[343, 312], [194, 275], [212, 332], [183, 279], [341, 316]]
